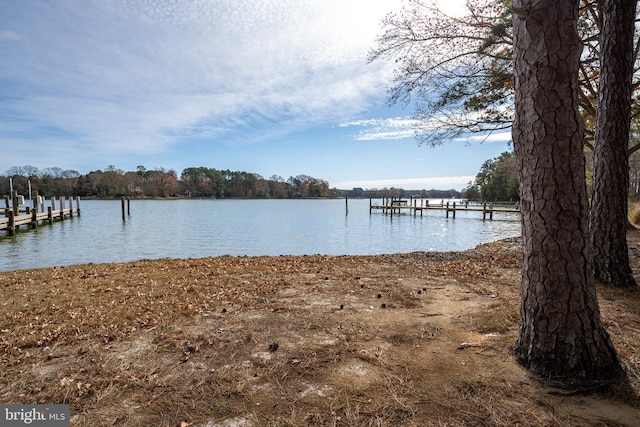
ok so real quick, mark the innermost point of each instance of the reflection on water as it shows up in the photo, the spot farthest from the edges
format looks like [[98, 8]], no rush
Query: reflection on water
[[200, 228]]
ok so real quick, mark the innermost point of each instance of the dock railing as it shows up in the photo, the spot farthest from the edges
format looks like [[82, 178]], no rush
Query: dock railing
[[16, 216], [395, 206]]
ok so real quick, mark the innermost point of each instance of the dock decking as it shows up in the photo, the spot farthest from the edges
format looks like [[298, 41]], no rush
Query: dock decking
[[13, 218], [413, 206]]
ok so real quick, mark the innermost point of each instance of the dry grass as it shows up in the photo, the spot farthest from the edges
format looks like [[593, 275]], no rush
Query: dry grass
[[634, 214], [413, 340]]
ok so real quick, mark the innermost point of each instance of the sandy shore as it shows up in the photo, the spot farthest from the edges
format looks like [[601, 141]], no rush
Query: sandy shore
[[415, 339]]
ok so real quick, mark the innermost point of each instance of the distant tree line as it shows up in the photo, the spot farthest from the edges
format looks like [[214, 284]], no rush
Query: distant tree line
[[193, 182], [358, 192], [196, 182]]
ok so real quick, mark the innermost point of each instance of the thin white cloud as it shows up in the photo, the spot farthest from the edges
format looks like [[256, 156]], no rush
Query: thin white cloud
[[501, 136], [383, 129], [403, 127], [444, 182]]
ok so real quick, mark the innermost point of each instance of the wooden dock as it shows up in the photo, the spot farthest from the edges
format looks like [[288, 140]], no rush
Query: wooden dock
[[395, 206], [14, 216]]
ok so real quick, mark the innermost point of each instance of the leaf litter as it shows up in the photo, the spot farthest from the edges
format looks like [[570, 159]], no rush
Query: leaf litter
[[410, 339]]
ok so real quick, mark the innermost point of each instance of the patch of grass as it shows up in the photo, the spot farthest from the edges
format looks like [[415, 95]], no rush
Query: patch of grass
[[497, 319], [634, 214]]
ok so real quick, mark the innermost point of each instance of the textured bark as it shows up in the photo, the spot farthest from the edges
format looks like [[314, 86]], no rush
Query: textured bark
[[561, 335], [608, 216]]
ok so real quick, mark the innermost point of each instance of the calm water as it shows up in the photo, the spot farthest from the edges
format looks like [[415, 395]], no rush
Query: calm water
[[201, 228]]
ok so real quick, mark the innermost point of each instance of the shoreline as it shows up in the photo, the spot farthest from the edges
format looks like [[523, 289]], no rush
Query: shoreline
[[511, 240]]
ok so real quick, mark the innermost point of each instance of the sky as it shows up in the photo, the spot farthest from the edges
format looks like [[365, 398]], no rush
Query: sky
[[273, 87]]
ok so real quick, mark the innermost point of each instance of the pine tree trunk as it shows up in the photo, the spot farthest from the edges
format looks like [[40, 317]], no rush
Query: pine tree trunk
[[608, 217], [561, 335]]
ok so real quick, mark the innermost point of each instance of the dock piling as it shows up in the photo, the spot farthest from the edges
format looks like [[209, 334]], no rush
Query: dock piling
[[16, 208], [394, 206], [11, 225], [34, 218], [34, 212]]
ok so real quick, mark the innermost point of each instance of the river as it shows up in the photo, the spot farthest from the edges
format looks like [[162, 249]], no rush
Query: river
[[200, 228]]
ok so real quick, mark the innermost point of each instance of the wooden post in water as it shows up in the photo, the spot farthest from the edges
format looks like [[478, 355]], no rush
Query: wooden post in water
[[50, 214], [128, 205], [122, 203], [34, 218], [70, 206], [78, 204], [447, 211], [346, 205], [62, 207], [454, 210], [484, 211], [12, 223], [15, 203], [6, 202]]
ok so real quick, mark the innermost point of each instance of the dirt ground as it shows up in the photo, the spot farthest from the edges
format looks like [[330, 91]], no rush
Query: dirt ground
[[420, 339]]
